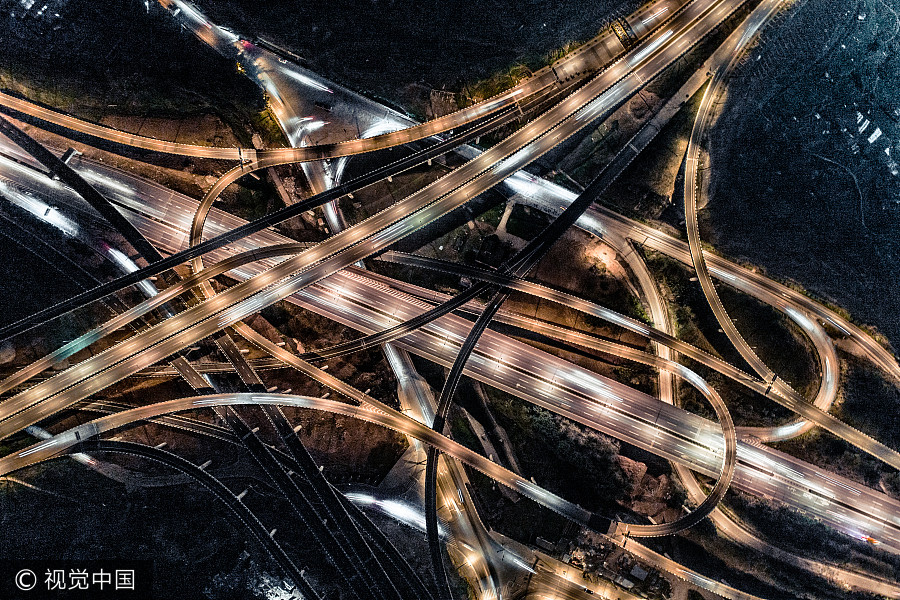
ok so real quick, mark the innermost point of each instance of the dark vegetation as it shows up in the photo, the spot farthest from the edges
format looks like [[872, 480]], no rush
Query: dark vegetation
[[402, 49], [870, 404], [789, 529], [349, 450], [137, 62], [796, 184], [778, 341], [652, 187], [191, 538], [363, 370], [523, 520], [567, 458], [584, 275], [525, 222], [251, 200], [708, 560]]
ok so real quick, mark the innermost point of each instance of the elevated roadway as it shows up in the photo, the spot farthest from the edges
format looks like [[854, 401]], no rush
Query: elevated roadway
[[233, 502], [62, 443], [373, 234], [355, 569], [498, 364], [660, 337], [197, 427], [588, 57], [329, 306], [205, 29], [125, 196], [838, 575]]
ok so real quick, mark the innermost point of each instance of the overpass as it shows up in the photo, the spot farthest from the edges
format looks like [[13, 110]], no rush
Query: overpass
[[376, 232]]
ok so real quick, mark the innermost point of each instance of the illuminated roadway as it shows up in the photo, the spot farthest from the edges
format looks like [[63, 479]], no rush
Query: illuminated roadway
[[603, 222], [827, 390], [836, 574], [141, 414], [381, 415], [721, 63], [763, 289], [330, 302], [691, 191], [498, 364], [327, 302], [363, 239], [637, 21], [614, 96], [188, 212], [894, 363], [219, 38], [589, 56]]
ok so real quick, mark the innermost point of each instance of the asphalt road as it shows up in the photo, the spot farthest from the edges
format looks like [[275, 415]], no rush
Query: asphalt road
[[874, 352], [172, 206], [369, 236]]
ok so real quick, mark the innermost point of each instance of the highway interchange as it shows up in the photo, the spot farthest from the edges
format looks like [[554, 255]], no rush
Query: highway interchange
[[325, 279]]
